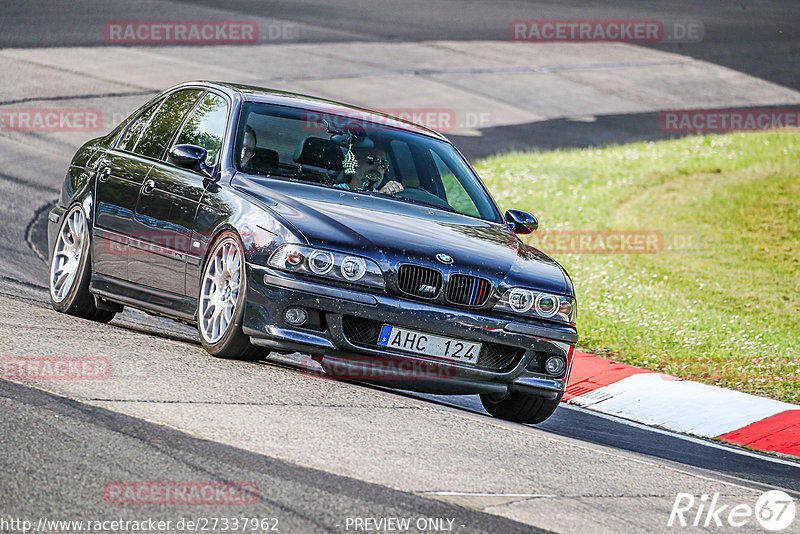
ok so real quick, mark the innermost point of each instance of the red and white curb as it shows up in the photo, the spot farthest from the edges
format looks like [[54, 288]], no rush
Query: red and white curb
[[683, 406]]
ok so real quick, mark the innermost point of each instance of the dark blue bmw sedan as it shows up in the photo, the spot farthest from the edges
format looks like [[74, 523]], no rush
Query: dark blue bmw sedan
[[279, 221]]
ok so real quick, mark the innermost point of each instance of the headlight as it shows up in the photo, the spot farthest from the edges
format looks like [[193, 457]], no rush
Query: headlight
[[320, 262], [521, 300], [327, 264], [547, 305], [353, 268], [537, 304]]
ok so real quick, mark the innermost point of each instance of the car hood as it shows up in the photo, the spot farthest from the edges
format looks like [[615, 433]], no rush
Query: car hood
[[394, 232]]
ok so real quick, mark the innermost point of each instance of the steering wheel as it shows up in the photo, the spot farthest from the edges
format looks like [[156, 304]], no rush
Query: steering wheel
[[417, 193]]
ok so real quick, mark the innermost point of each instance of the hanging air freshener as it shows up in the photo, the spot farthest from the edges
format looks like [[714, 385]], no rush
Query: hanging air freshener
[[350, 163]]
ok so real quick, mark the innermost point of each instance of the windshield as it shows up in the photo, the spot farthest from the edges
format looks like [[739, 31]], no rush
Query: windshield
[[355, 155]]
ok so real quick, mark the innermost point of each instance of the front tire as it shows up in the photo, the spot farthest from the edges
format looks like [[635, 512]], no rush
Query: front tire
[[70, 269], [519, 407], [220, 305]]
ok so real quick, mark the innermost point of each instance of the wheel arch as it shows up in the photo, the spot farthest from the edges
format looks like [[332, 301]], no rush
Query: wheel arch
[[212, 241]]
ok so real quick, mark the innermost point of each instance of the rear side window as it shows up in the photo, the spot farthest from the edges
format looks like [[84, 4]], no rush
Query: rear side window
[[157, 135], [206, 126], [131, 135]]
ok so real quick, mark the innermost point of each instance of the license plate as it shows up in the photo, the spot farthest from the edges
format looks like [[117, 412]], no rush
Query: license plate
[[396, 338]]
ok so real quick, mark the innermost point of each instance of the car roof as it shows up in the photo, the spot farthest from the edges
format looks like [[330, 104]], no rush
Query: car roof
[[252, 93]]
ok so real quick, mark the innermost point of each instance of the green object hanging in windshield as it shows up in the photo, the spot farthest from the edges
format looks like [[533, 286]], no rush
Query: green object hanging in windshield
[[350, 163]]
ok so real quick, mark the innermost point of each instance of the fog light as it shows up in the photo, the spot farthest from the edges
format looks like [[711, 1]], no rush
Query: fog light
[[295, 315], [555, 365]]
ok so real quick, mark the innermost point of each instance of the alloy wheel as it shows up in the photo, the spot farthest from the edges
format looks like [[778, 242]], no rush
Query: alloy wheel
[[67, 254], [219, 291]]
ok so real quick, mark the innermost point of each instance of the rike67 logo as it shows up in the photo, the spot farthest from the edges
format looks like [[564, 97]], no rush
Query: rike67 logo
[[774, 510]]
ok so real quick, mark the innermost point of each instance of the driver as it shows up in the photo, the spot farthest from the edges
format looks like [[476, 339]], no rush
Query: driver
[[248, 146], [372, 164]]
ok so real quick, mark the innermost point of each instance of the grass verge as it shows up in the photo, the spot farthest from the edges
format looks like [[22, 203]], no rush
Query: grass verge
[[718, 301]]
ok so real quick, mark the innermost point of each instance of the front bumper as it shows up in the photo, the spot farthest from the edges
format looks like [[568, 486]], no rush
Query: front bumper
[[508, 362]]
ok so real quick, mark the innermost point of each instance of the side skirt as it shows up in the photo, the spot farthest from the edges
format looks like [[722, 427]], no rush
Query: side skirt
[[153, 301]]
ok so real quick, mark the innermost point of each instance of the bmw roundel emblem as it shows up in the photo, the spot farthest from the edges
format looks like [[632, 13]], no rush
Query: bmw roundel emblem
[[444, 258]]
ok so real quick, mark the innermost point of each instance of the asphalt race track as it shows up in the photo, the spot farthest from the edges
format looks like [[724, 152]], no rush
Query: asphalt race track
[[324, 453]]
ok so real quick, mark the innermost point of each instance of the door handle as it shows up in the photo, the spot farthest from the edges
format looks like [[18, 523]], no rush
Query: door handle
[[104, 174], [149, 185]]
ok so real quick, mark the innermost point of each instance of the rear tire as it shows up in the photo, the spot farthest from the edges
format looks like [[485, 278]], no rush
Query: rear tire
[[520, 408], [71, 272], [220, 303]]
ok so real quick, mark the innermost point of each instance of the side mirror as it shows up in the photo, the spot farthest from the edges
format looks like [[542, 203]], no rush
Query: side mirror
[[190, 157], [521, 222]]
